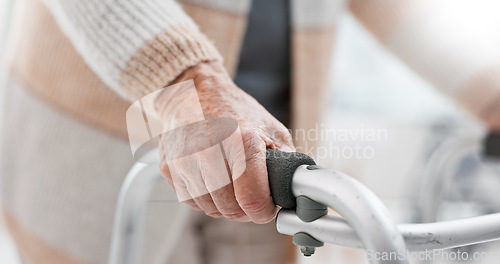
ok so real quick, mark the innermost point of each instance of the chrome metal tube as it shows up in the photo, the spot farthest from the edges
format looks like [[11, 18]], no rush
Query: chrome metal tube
[[357, 204], [418, 237], [437, 179], [128, 229], [365, 222]]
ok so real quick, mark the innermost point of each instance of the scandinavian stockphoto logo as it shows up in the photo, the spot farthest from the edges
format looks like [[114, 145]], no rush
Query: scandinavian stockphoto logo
[[203, 154]]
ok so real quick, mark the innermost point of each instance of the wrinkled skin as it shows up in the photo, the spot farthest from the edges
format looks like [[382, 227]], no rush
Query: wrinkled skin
[[243, 198]]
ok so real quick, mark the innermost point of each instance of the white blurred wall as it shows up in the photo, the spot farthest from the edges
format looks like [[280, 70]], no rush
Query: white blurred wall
[[7, 251], [5, 6], [5, 13]]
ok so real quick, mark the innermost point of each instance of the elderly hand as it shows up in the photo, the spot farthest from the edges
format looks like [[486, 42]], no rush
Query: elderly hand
[[235, 123]]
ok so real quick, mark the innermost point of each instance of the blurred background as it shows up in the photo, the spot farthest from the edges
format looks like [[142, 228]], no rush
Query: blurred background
[[7, 250], [374, 91]]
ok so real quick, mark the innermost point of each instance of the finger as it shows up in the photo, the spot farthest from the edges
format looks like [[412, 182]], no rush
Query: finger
[[165, 172], [225, 201], [206, 204], [252, 188], [216, 176], [219, 176], [193, 205], [282, 139], [191, 187]]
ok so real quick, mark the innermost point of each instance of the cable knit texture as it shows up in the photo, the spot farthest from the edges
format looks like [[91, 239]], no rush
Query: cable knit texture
[[136, 47]]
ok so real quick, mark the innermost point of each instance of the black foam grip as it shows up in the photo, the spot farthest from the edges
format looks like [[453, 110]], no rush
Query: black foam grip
[[280, 169], [492, 145]]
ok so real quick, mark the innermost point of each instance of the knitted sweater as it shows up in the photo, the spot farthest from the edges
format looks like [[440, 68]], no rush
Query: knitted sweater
[[136, 47]]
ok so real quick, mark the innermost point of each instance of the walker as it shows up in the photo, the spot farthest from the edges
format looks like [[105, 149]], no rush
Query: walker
[[305, 191]]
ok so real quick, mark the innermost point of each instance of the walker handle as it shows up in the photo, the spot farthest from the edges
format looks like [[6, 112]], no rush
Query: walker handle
[[280, 169]]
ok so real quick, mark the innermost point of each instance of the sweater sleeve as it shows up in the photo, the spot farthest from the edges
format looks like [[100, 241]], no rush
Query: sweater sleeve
[[452, 44], [135, 46]]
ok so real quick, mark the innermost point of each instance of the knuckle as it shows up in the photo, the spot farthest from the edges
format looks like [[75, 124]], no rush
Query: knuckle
[[215, 214], [249, 136], [235, 216], [288, 139], [255, 206], [253, 143]]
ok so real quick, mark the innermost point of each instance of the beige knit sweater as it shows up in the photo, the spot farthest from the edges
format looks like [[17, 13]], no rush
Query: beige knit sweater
[[136, 47]]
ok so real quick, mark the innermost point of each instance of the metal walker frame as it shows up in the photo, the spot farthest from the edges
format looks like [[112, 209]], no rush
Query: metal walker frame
[[365, 222]]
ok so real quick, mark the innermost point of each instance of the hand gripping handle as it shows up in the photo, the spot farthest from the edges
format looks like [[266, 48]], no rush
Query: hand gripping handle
[[280, 169]]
